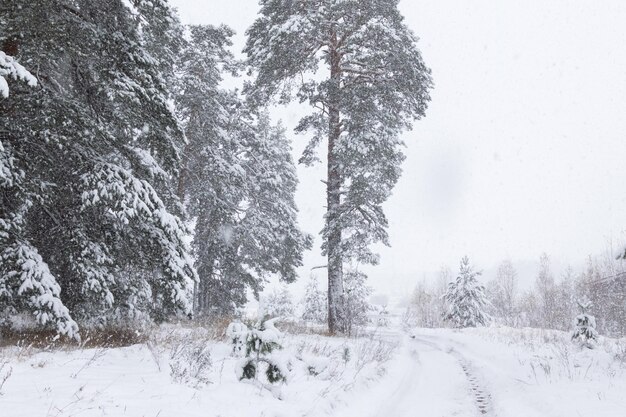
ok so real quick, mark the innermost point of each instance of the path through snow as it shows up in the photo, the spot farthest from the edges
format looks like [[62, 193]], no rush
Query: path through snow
[[447, 373]]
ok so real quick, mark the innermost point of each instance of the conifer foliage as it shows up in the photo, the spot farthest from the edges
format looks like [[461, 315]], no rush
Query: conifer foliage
[[89, 220], [10, 69], [585, 332], [261, 343], [377, 85], [238, 181], [466, 298]]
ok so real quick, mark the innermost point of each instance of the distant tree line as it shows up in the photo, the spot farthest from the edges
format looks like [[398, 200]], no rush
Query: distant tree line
[[550, 303]]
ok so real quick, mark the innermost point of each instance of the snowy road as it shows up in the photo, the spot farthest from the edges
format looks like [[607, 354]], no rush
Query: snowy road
[[452, 374], [433, 383]]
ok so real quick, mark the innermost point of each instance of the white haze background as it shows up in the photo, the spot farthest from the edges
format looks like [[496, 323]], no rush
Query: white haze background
[[523, 147]]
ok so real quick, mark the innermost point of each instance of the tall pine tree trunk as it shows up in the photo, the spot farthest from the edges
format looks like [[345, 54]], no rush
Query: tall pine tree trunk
[[333, 197]]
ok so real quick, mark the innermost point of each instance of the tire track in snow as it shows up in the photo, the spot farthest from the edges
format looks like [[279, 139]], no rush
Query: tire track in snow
[[481, 396]]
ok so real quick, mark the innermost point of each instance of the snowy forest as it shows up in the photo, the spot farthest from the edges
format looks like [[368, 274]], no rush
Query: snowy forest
[[151, 230]]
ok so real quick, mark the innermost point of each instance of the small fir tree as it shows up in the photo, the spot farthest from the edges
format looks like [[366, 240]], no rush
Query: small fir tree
[[466, 298], [585, 332], [261, 342]]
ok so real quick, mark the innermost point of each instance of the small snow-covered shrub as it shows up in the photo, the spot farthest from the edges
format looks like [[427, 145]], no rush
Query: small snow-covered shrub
[[316, 365], [585, 332], [261, 346], [237, 333], [190, 362]]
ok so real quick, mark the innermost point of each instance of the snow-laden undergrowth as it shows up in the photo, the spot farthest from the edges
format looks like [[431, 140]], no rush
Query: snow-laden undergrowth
[[187, 371]]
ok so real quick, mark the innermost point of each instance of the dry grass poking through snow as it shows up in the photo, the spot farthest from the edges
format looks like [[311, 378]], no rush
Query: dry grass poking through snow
[[181, 369], [549, 355]]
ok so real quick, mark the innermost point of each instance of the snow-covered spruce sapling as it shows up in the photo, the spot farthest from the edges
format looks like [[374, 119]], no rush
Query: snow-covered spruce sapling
[[261, 343], [585, 332]]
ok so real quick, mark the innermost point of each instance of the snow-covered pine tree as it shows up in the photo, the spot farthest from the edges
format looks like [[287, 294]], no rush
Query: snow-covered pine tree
[[314, 302], [585, 332], [25, 280], [95, 146], [466, 298], [377, 85], [239, 181]]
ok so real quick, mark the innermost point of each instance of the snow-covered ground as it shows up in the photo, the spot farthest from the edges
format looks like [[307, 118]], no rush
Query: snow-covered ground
[[165, 377], [431, 373]]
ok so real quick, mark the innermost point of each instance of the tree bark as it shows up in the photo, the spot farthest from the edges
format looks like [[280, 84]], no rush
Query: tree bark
[[333, 196]]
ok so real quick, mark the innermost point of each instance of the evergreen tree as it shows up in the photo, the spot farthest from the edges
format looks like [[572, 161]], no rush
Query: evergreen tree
[[585, 332], [377, 85], [96, 144], [238, 181], [466, 298], [315, 307], [261, 342]]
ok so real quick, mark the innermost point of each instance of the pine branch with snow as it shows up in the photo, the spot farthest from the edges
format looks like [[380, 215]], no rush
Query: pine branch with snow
[[11, 69]]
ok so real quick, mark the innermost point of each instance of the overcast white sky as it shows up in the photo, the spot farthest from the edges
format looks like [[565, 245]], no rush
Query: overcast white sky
[[523, 149]]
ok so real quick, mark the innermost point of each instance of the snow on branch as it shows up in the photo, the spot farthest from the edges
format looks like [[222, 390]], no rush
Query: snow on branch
[[131, 200], [37, 287], [10, 68]]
